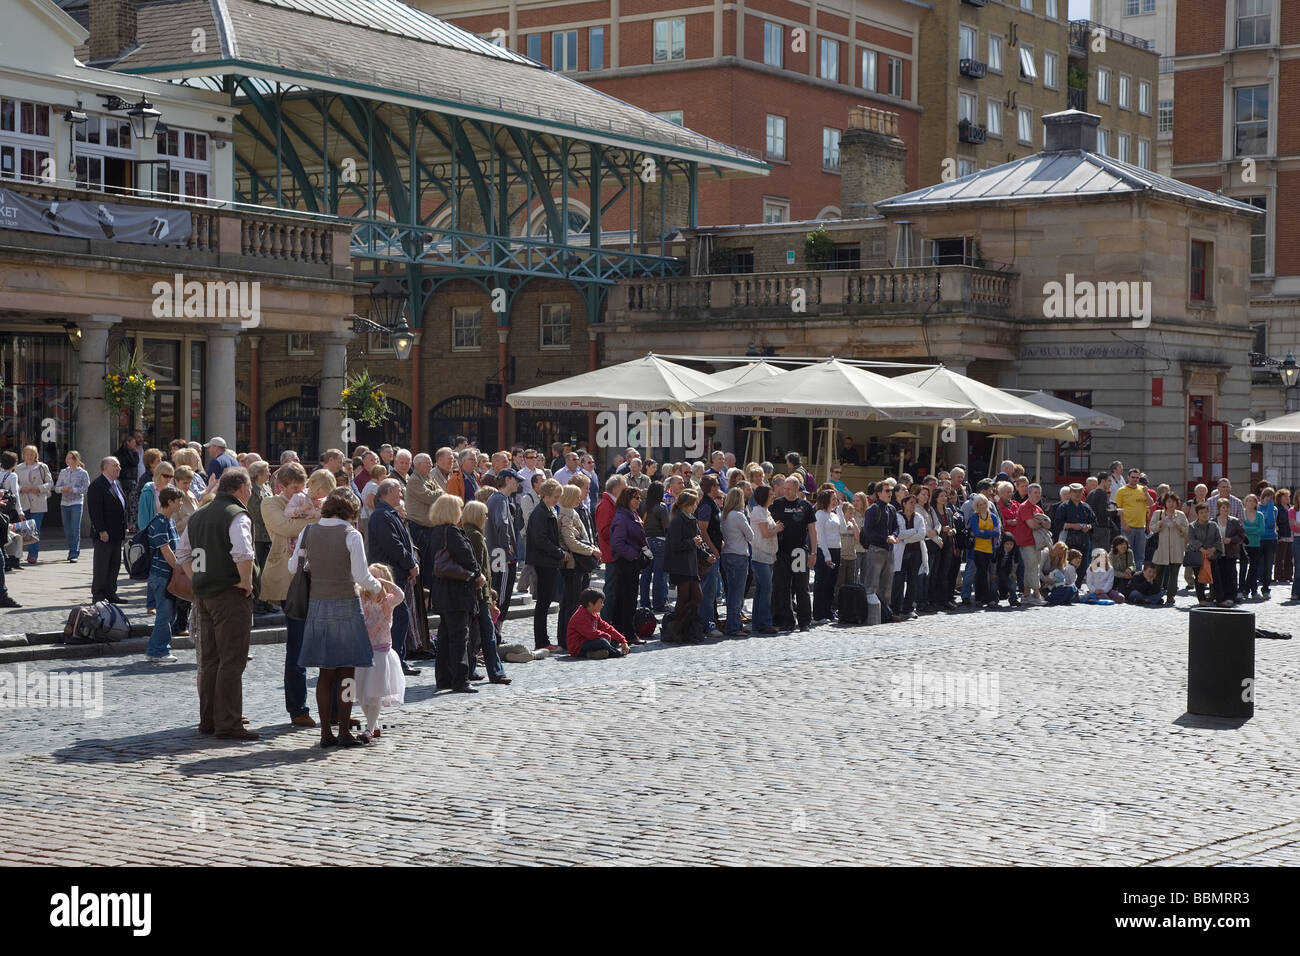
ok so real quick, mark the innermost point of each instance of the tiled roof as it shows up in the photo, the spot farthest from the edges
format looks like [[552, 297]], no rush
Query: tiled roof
[[383, 49], [1073, 172]]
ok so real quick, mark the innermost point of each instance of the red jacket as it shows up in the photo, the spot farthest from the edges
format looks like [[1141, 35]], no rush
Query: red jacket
[[604, 517], [585, 626]]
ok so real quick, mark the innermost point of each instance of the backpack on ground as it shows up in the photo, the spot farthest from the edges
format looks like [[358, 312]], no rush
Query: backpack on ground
[[99, 623], [853, 604], [644, 622]]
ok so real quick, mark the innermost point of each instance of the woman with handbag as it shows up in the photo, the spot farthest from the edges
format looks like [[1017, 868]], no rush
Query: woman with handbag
[[1171, 548], [1205, 543], [290, 478], [483, 632], [737, 539], [457, 577], [627, 542], [335, 638], [34, 486], [682, 562], [546, 556], [586, 556]]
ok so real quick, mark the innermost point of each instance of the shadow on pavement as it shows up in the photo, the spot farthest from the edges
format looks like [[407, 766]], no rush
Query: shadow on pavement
[[1204, 722], [173, 742]]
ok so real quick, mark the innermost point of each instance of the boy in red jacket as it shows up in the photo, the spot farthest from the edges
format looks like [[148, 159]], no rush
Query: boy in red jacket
[[590, 635]]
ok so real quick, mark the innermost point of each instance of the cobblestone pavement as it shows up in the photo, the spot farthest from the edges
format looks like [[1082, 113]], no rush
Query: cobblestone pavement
[[806, 748]]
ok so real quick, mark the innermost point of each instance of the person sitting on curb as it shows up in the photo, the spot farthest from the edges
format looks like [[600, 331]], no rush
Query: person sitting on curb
[[591, 636]]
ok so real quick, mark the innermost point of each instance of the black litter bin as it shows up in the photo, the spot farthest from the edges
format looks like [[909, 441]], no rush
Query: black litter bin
[[1221, 662]]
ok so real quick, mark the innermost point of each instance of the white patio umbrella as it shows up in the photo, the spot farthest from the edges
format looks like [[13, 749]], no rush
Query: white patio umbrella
[[831, 390], [750, 372], [1284, 428], [995, 410], [642, 384], [1087, 419]]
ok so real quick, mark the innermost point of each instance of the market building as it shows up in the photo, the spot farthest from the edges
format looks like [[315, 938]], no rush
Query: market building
[[1065, 271]]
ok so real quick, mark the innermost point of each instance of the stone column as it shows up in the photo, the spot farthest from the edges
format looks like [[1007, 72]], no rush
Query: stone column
[[334, 369], [219, 387], [254, 394], [96, 431]]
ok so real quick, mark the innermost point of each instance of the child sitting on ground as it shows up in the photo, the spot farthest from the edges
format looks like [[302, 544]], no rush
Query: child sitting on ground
[[1008, 561], [382, 684], [1146, 588], [1075, 572], [1121, 562], [307, 503], [591, 636], [1101, 580]]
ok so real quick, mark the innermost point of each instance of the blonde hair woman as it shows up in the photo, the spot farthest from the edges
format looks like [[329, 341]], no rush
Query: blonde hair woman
[[585, 554], [72, 484], [34, 485], [147, 506], [482, 629], [457, 577]]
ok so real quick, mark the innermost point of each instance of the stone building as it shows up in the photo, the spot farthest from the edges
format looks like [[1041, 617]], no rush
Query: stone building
[[964, 273]]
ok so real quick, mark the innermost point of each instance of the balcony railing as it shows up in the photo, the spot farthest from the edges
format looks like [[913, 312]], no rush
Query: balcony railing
[[217, 230], [975, 69], [970, 133], [1166, 64], [1077, 99], [1081, 33], [858, 292]]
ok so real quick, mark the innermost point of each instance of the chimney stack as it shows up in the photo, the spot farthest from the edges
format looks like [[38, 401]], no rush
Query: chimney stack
[[1070, 129], [872, 161], [112, 28]]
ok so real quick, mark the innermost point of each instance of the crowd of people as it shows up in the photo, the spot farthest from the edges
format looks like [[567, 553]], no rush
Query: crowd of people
[[360, 550]]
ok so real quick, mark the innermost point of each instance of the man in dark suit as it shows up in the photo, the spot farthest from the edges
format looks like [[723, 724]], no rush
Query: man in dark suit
[[106, 507], [389, 542]]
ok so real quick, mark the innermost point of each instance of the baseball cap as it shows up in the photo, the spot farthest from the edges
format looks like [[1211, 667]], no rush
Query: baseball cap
[[218, 441], [508, 473]]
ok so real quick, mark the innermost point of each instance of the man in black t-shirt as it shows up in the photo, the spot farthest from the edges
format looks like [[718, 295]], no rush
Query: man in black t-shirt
[[796, 554]]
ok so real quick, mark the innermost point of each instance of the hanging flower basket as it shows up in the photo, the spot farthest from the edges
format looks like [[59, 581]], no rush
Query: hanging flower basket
[[364, 399], [129, 387]]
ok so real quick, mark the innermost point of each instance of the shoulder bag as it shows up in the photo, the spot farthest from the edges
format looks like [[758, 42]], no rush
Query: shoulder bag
[[298, 597], [447, 567]]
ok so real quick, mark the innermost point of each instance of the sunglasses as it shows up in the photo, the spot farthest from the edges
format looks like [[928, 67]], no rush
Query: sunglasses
[[836, 471]]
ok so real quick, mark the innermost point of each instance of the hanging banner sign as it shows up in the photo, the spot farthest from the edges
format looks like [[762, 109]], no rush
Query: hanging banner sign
[[94, 220]]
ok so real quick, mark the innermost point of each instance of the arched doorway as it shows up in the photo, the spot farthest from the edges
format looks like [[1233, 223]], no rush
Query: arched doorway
[[293, 424], [466, 415], [395, 430], [539, 429]]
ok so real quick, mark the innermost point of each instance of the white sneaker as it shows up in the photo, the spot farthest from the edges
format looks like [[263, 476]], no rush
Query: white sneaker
[[166, 659], [715, 633]]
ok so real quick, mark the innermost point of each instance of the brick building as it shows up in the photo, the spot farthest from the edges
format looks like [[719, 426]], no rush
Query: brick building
[[1154, 21], [776, 77], [1237, 82]]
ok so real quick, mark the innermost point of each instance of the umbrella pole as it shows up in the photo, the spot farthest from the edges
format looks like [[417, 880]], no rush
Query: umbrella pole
[[934, 448], [900, 464], [830, 445], [1038, 460]]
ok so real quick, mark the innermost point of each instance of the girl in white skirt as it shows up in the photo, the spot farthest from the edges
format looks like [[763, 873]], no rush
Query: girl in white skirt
[[381, 685]]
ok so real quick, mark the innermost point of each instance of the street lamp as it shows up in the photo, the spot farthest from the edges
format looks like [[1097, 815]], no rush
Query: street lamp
[[142, 116], [388, 300], [1289, 371]]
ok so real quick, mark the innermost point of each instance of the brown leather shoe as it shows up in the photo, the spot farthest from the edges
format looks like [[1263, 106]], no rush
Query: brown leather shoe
[[303, 720], [207, 730], [240, 734]]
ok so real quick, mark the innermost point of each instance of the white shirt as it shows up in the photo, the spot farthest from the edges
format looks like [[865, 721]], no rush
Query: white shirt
[[564, 474], [117, 490], [356, 553], [241, 541], [830, 525], [764, 547]]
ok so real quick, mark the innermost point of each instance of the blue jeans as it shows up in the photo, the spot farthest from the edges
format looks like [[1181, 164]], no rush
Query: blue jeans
[[710, 587], [72, 528], [34, 548], [295, 677], [762, 611], [1151, 600], [599, 644], [1137, 545], [968, 577], [735, 567], [1267, 552], [655, 575], [160, 641], [487, 636]]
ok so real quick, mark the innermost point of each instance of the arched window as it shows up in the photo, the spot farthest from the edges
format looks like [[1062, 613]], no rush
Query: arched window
[[466, 415], [579, 221], [396, 430], [293, 424]]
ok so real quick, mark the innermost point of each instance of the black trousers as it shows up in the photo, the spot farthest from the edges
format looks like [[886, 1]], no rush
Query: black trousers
[[575, 582], [503, 582], [784, 581], [547, 578], [451, 662], [107, 566], [625, 586]]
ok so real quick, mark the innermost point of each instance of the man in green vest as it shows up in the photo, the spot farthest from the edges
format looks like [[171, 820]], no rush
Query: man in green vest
[[223, 565]]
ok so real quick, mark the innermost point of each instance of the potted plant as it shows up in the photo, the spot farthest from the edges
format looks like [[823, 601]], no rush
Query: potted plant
[[817, 248], [129, 386]]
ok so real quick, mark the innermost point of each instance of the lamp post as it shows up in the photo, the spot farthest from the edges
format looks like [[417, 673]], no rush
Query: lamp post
[[388, 300], [1289, 372]]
